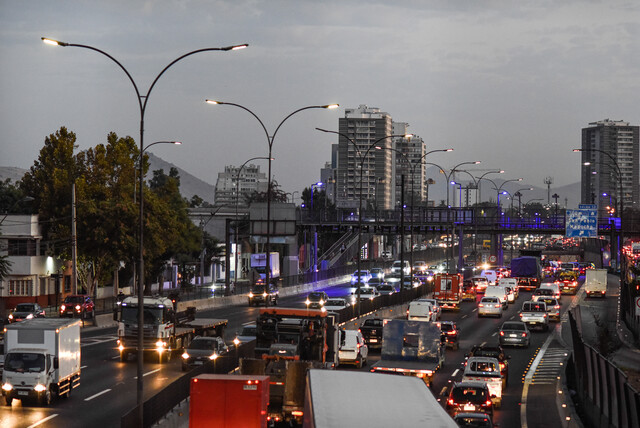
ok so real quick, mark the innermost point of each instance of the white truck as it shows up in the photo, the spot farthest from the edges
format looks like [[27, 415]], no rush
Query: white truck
[[485, 369], [259, 263], [41, 359], [595, 282]]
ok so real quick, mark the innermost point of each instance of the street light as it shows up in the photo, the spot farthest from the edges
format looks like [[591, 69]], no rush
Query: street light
[[615, 163], [362, 159], [142, 104], [270, 140], [237, 180]]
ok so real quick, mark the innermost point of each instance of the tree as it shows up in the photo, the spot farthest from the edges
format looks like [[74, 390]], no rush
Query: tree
[[277, 195]]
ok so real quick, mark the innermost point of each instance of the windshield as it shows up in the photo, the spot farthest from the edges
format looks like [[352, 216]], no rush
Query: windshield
[[74, 299], [335, 303], [24, 307], [315, 296], [469, 394], [249, 331], [151, 315], [258, 289], [482, 366], [24, 362], [513, 326], [207, 345]]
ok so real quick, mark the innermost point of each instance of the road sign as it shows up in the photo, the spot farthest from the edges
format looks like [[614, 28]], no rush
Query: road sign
[[492, 259], [638, 306], [587, 207], [582, 223]]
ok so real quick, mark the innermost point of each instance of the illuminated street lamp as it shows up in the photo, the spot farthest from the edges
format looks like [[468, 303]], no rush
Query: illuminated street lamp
[[142, 104]]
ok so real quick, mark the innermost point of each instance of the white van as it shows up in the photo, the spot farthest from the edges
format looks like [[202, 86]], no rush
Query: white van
[[499, 292], [491, 275], [353, 349], [421, 311], [552, 286], [511, 283], [398, 265]]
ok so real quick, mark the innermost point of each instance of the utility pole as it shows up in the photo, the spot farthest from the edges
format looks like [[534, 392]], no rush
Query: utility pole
[[548, 181]]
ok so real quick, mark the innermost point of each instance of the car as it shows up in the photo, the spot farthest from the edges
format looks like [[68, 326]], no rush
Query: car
[[491, 275], [436, 306], [553, 307], [489, 306], [77, 305], [541, 292], [514, 333], [399, 265], [259, 296], [247, 334], [552, 286], [468, 291], [353, 349], [511, 293], [419, 266], [377, 273], [450, 334], [336, 304], [421, 311], [469, 397], [410, 283], [583, 266], [203, 350], [386, 254], [371, 330], [392, 278], [386, 289], [375, 282], [26, 311], [499, 292], [368, 293], [481, 283], [363, 277], [492, 351], [473, 420], [316, 299]]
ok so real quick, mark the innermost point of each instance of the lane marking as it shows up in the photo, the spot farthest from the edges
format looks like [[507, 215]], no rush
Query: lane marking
[[148, 373], [97, 395], [83, 367], [474, 310], [528, 379], [455, 373], [494, 333], [43, 420], [482, 344], [464, 316]]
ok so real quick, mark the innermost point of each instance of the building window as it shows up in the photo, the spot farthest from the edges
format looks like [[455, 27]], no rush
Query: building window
[[21, 247], [20, 287], [67, 284]]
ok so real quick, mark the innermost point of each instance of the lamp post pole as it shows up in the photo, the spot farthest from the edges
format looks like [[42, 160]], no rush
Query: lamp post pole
[[270, 140], [235, 259], [142, 104], [362, 159]]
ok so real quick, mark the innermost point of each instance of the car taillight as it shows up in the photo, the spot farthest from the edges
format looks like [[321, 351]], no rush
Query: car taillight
[[520, 315], [487, 403], [502, 333], [481, 305], [497, 305], [524, 334], [556, 307], [451, 402]]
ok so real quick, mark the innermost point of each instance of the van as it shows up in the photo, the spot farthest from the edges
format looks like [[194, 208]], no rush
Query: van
[[510, 282], [491, 275], [404, 265], [499, 292], [552, 286], [353, 349], [421, 311]]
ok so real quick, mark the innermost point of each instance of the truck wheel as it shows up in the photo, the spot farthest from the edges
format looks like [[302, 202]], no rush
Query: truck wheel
[[45, 400], [8, 400], [124, 356]]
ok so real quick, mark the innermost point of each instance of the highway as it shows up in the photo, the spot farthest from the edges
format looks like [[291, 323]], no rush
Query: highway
[[108, 386]]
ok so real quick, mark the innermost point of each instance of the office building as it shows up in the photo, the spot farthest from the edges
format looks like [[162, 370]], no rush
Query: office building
[[246, 182]]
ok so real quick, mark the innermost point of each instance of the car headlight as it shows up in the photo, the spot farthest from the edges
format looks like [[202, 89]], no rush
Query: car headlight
[[77, 307], [185, 356], [321, 302], [264, 295], [30, 316], [213, 356], [308, 302], [10, 316], [250, 295], [160, 344], [7, 387], [40, 388], [62, 308]]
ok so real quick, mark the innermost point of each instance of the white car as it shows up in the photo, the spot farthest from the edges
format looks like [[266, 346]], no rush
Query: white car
[[336, 304], [368, 293], [436, 306], [399, 265], [364, 275], [421, 311], [353, 349], [490, 306]]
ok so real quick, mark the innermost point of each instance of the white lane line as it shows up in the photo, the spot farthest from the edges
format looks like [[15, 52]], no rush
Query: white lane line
[[97, 395], [528, 380], [455, 373], [43, 420], [464, 316], [474, 310], [482, 344], [148, 373], [83, 367], [495, 333]]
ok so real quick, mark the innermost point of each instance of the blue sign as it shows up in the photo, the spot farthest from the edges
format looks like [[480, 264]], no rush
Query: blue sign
[[582, 223]]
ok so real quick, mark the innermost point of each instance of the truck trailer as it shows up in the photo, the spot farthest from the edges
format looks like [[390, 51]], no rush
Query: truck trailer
[[528, 271], [447, 290], [41, 359], [595, 282], [166, 331], [258, 262]]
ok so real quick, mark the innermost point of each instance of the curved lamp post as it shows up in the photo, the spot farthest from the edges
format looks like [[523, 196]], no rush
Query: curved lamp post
[[270, 140], [237, 180], [142, 104], [362, 159]]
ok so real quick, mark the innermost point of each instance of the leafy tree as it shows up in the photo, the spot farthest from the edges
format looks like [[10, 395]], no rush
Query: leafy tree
[[277, 195]]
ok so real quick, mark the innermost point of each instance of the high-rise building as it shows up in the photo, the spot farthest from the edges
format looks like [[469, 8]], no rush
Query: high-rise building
[[367, 127], [248, 181], [414, 171], [610, 160]]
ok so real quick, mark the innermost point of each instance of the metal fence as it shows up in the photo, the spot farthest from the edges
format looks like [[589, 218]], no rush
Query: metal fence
[[603, 395]]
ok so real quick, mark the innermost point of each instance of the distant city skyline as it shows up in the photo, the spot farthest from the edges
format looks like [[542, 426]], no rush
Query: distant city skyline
[[510, 85]]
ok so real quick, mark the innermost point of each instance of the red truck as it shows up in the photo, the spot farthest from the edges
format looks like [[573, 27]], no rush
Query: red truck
[[447, 290]]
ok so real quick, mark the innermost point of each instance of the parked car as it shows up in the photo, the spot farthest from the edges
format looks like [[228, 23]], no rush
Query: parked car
[[259, 296], [353, 349], [469, 397], [514, 333], [450, 334], [26, 311], [77, 305], [316, 299], [336, 304], [203, 350], [490, 306]]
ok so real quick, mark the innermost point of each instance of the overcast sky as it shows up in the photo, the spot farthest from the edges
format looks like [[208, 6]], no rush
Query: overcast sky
[[510, 83]]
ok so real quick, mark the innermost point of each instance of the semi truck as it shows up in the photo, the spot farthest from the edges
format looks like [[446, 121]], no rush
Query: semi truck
[[289, 342], [258, 262], [166, 330], [595, 282], [411, 348], [447, 290], [41, 359], [527, 270]]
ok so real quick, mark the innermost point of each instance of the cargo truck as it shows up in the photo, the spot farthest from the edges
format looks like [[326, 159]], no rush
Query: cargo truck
[[258, 262], [527, 270], [166, 330], [411, 348], [595, 282], [447, 290], [289, 342], [41, 359]]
